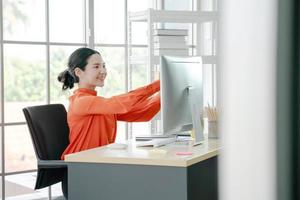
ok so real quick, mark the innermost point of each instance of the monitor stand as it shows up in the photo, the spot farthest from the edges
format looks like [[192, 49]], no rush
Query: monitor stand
[[196, 116]]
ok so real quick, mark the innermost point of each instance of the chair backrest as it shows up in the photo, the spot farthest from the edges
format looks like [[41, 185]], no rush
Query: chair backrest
[[49, 130]]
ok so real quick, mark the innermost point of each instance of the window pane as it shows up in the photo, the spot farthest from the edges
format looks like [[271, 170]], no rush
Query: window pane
[[24, 79], [139, 70], [207, 5], [109, 21], [208, 38], [139, 33], [139, 29], [178, 5], [19, 153], [138, 5], [21, 186], [115, 64], [67, 21], [20, 22], [138, 55], [59, 56]]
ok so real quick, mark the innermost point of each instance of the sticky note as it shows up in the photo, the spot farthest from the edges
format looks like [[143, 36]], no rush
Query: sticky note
[[158, 152]]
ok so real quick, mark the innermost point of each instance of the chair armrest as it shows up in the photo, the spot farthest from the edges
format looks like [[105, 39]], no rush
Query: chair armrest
[[52, 164]]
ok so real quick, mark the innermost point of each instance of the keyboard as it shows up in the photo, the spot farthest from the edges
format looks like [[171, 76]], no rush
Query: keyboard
[[151, 137], [157, 142], [164, 141]]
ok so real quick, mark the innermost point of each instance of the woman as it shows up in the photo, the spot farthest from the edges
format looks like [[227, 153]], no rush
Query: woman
[[93, 119]]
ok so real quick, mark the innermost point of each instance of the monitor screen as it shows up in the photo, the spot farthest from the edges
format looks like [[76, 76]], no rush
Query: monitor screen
[[181, 93]]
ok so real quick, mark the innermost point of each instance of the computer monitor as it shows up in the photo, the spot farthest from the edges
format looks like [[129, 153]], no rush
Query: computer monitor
[[181, 95]]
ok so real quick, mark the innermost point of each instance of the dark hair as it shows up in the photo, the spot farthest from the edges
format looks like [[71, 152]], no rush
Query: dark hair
[[77, 59]]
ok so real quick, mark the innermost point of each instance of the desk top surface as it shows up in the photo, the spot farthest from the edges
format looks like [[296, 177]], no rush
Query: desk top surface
[[161, 156]]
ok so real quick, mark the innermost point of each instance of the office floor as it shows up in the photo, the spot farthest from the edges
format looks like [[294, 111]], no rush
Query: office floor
[[21, 187]]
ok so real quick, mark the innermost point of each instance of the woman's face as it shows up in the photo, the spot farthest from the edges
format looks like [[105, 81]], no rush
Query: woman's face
[[94, 73]]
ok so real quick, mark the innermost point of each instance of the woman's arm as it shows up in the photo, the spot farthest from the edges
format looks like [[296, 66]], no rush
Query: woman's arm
[[124, 103], [142, 112]]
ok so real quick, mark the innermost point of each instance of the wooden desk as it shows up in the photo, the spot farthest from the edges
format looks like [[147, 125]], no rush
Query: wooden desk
[[145, 173]]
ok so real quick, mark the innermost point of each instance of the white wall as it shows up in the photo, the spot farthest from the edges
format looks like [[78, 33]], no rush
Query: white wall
[[247, 99]]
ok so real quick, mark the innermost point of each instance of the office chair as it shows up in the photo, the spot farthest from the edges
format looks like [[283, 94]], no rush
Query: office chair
[[49, 132]]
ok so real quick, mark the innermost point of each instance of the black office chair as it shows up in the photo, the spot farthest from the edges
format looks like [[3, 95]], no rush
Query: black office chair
[[49, 132]]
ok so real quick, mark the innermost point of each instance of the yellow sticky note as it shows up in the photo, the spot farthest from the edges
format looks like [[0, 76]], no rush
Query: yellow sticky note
[[160, 152]]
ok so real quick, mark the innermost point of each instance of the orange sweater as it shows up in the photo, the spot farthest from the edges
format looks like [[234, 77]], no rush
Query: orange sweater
[[93, 119]]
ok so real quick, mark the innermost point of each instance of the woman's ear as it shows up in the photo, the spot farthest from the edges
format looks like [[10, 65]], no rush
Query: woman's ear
[[77, 71]]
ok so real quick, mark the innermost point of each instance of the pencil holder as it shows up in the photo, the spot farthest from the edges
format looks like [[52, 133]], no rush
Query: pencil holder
[[212, 129]]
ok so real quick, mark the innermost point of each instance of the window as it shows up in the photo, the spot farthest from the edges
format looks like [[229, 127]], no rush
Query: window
[[35, 47], [109, 21], [24, 79], [20, 23], [67, 21], [32, 54]]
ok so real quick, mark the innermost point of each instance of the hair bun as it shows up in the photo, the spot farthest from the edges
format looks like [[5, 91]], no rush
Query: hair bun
[[67, 79], [62, 76]]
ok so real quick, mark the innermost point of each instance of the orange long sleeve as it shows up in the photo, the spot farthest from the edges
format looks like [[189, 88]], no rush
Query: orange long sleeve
[[124, 103], [145, 111], [93, 120]]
